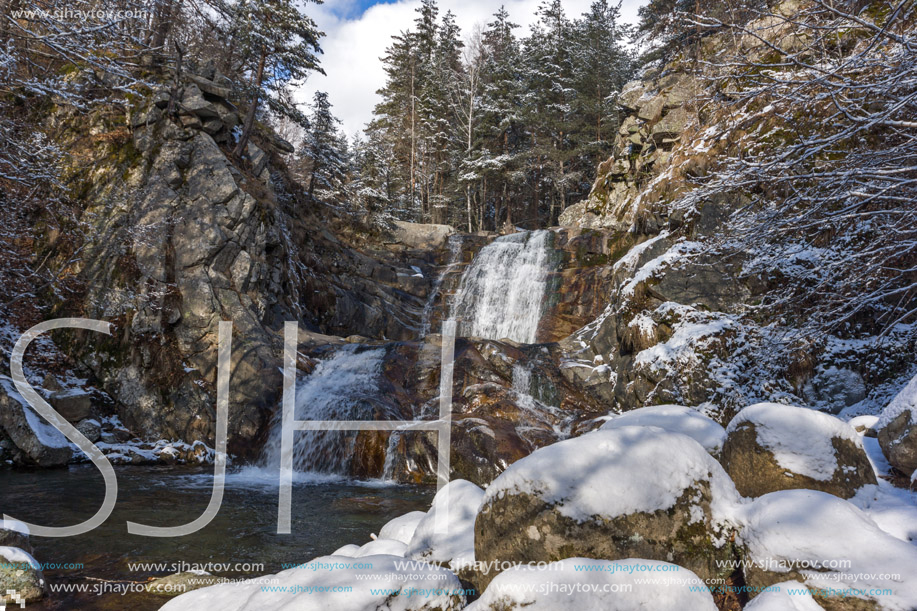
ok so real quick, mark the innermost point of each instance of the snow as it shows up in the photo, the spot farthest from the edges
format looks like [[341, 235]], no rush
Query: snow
[[679, 348], [460, 499], [19, 557], [786, 596], [628, 262], [675, 419], [388, 547], [906, 400], [830, 543], [350, 550], [893, 509], [654, 266], [14, 525], [306, 588], [598, 585], [617, 472], [403, 527], [46, 434], [798, 437]]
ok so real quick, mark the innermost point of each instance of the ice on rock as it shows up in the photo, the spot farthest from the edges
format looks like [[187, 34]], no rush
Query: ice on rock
[[675, 419], [582, 584]]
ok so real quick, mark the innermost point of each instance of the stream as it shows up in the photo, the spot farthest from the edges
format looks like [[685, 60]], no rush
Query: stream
[[328, 512]]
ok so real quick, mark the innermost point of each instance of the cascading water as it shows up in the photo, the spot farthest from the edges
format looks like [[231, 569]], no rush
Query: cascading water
[[501, 293], [343, 387], [455, 251]]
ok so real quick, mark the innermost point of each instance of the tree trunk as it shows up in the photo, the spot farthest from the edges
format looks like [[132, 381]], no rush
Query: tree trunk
[[250, 117]]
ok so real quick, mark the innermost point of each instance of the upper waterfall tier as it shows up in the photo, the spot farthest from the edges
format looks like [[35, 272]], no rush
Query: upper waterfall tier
[[502, 293]]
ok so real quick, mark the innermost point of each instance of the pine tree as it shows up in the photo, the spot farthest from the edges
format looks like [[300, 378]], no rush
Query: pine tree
[[549, 103], [279, 44], [325, 147]]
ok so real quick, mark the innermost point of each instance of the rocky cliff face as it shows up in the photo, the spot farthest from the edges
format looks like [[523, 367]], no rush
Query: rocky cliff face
[[681, 323], [179, 235]]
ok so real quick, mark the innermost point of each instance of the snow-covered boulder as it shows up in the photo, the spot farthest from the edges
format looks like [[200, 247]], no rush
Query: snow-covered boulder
[[831, 546], [771, 447], [675, 419], [898, 430], [40, 443], [632, 492], [786, 596], [388, 547], [21, 579], [582, 584], [331, 582], [350, 550], [446, 532], [403, 527]]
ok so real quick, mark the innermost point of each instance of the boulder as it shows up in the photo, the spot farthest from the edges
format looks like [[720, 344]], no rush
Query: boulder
[[632, 492], [771, 447], [14, 533], [21, 579], [403, 527], [422, 235], [388, 547], [447, 532], [898, 430], [40, 443], [193, 102], [829, 545], [91, 429], [651, 109], [671, 125], [586, 584], [675, 419], [785, 596], [209, 87], [73, 404]]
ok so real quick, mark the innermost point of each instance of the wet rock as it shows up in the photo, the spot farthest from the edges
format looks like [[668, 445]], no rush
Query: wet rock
[[773, 447], [21, 579], [12, 535]]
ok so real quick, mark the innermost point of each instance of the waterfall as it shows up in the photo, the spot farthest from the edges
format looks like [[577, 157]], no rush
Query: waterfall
[[455, 251], [342, 387], [501, 293]]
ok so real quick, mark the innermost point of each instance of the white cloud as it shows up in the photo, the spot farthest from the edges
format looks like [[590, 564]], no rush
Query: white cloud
[[352, 47]]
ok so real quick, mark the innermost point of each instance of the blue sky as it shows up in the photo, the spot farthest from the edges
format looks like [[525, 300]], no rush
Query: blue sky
[[358, 31]]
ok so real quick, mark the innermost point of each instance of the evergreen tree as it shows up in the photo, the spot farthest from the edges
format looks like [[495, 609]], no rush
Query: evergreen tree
[[326, 149], [279, 44]]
